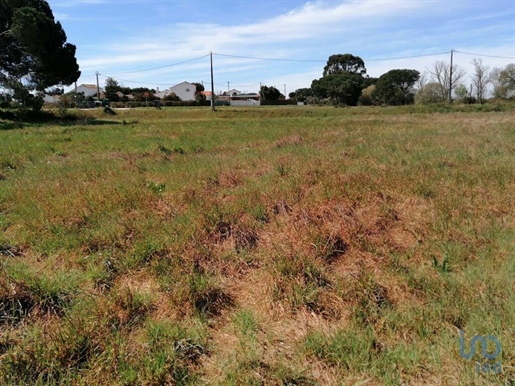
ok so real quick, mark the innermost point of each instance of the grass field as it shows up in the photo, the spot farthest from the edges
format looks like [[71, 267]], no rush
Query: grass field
[[260, 246]]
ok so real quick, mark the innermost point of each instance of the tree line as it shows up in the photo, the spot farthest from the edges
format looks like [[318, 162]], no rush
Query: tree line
[[36, 58], [345, 82]]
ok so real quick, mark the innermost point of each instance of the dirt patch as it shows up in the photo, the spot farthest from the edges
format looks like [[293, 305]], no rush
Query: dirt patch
[[289, 140], [401, 239]]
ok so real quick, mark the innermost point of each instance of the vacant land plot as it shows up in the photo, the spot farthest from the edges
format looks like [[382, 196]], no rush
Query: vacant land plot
[[277, 246]]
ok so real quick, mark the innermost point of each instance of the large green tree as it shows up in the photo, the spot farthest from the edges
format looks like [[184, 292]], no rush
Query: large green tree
[[396, 87], [111, 89], [34, 54], [507, 80], [344, 88], [342, 80], [344, 63], [270, 93], [301, 94]]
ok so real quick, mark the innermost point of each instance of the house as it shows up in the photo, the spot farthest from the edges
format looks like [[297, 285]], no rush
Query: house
[[208, 95], [185, 90], [232, 92], [247, 99], [238, 98], [161, 94], [89, 90]]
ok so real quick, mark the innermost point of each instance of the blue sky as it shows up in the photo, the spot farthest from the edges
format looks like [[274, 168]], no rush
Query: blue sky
[[130, 39]]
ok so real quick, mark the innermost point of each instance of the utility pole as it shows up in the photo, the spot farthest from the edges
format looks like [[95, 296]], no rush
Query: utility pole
[[75, 96], [98, 88], [450, 78], [285, 91], [228, 88], [212, 84]]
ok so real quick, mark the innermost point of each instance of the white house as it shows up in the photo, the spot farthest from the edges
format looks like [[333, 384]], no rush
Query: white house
[[232, 92], [89, 89], [185, 91], [161, 94]]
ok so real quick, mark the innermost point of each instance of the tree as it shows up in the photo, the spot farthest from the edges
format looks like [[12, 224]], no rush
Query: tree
[[199, 87], [270, 93], [342, 80], [500, 90], [430, 93], [111, 90], [480, 79], [461, 92], [421, 82], [34, 54], [441, 74], [172, 97], [301, 94], [143, 94], [344, 88], [369, 81], [344, 63], [396, 87], [200, 97], [366, 96], [507, 78]]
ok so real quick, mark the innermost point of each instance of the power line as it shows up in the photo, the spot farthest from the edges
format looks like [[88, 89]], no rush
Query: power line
[[407, 57], [487, 56], [165, 66], [272, 59], [280, 60], [325, 60], [133, 81]]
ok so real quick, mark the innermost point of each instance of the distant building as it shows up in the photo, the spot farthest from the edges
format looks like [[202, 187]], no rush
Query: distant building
[[89, 90], [237, 98], [51, 98], [232, 92], [185, 90], [208, 95]]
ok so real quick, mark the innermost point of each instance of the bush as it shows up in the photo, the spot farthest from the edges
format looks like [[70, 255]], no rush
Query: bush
[[279, 102], [151, 104], [5, 100], [366, 96], [470, 100], [430, 93]]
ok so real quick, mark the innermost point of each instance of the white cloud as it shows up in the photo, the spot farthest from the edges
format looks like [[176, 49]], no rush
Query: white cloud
[[314, 20], [315, 30]]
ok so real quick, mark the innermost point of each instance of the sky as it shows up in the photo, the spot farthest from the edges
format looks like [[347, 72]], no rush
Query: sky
[[159, 43]]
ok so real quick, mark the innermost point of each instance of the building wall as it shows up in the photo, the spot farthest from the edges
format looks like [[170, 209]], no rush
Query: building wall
[[250, 102], [184, 90], [162, 94], [88, 91]]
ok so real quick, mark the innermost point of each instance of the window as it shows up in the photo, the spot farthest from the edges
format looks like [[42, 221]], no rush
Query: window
[[187, 90]]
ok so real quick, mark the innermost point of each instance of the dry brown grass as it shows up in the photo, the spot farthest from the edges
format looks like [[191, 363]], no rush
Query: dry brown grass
[[259, 246]]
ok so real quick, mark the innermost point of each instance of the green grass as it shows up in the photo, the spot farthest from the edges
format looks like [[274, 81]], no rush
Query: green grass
[[274, 245]]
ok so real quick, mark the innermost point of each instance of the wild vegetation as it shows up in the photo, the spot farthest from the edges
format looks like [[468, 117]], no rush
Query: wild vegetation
[[277, 246]]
